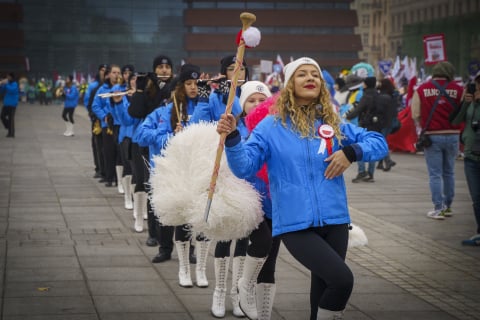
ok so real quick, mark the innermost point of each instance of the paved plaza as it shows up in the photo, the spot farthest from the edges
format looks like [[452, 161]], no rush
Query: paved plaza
[[68, 249]]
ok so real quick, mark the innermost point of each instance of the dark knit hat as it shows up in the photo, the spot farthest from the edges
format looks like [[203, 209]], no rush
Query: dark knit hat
[[128, 67], [189, 71], [370, 82], [228, 60], [443, 69], [161, 59]]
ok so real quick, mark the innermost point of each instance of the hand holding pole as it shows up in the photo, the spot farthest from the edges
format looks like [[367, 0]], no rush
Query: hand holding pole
[[247, 20]]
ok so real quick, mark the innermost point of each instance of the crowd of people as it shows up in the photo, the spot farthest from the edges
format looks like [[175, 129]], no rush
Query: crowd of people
[[291, 146]]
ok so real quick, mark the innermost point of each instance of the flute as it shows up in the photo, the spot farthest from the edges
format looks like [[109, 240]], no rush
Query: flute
[[216, 80], [112, 94]]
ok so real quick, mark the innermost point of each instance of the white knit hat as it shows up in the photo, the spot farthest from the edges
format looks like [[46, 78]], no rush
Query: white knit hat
[[290, 68], [251, 87]]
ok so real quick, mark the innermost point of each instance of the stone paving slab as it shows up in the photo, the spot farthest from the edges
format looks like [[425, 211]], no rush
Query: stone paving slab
[[73, 236]]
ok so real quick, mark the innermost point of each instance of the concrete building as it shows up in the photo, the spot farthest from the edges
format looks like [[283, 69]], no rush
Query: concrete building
[[62, 36], [396, 27]]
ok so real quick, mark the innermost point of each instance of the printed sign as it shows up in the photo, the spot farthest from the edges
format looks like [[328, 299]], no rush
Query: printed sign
[[434, 48]]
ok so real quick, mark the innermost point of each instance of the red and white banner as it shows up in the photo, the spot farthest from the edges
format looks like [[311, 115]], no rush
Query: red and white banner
[[434, 48]]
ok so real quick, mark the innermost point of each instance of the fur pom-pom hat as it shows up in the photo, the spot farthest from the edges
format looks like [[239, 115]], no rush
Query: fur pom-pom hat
[[251, 87], [291, 67]]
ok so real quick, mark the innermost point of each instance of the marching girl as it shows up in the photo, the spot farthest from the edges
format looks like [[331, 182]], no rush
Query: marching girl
[[71, 100], [102, 109], [122, 168], [154, 132], [127, 127], [309, 203], [152, 91], [210, 108]]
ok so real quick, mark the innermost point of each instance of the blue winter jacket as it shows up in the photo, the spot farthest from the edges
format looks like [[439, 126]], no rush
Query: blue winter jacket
[[128, 124], [156, 129], [91, 86], [10, 90], [301, 196], [71, 97], [212, 109], [101, 106], [257, 182]]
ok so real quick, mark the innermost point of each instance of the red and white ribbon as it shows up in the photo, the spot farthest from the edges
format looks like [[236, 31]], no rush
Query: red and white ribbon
[[326, 132]]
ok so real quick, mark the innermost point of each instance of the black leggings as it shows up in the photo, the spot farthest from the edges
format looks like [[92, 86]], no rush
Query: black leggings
[[125, 147], [68, 112], [222, 248], [267, 274], [8, 119], [322, 250], [140, 168]]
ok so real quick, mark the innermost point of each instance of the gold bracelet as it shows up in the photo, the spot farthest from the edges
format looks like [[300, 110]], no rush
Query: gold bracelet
[[139, 90]]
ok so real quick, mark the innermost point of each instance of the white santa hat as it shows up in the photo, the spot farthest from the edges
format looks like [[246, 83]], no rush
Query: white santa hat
[[290, 68], [252, 87]]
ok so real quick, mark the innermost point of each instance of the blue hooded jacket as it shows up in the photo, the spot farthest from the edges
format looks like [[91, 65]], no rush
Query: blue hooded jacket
[[156, 129], [10, 90], [71, 97], [301, 195]]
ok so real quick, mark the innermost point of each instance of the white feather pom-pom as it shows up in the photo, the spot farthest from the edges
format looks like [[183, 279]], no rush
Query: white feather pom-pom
[[252, 37], [356, 237], [180, 184]]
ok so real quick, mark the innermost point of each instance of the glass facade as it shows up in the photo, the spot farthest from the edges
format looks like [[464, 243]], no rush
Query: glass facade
[[63, 36]]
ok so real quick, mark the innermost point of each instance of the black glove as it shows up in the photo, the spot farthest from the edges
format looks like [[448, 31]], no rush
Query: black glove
[[224, 86], [155, 79], [204, 90], [141, 82]]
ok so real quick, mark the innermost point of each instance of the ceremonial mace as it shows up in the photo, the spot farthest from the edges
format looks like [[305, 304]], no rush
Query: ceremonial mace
[[247, 20]]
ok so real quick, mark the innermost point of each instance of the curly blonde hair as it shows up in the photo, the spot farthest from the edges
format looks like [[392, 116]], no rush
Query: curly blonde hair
[[303, 117]]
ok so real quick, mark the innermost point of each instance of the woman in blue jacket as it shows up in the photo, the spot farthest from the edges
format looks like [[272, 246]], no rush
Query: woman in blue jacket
[[70, 93], [307, 149], [157, 128], [9, 87]]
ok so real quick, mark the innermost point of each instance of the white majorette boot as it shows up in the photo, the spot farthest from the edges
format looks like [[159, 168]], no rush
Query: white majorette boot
[[133, 197], [324, 314], [140, 203], [221, 275], [237, 271], [119, 171], [183, 252], [246, 286], [265, 296], [71, 130], [127, 195], [201, 266], [68, 129]]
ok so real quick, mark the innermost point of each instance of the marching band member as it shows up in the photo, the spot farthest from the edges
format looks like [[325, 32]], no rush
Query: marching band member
[[152, 91], [127, 125], [70, 92], [154, 132], [102, 109], [309, 205]]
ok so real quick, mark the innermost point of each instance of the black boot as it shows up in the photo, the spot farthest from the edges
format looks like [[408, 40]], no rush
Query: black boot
[[369, 178], [389, 165], [380, 165], [359, 177]]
